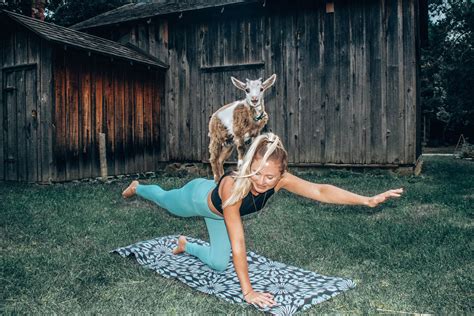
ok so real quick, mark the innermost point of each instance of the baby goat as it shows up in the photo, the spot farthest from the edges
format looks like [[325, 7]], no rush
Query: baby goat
[[237, 122]]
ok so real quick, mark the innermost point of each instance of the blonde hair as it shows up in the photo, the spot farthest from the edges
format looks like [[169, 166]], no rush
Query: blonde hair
[[267, 146]]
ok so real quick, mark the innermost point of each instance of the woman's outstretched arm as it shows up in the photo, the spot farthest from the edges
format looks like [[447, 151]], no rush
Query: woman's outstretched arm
[[327, 193]]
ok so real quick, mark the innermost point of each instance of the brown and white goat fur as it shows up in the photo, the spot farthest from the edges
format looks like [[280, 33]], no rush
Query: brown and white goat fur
[[236, 123]]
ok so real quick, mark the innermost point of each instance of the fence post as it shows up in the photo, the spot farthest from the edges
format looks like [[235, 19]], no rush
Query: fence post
[[103, 157]]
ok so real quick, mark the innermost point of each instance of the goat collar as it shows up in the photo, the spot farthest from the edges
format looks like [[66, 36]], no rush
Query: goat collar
[[259, 116]]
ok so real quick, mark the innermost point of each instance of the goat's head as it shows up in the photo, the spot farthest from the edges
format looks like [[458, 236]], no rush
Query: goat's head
[[254, 89]]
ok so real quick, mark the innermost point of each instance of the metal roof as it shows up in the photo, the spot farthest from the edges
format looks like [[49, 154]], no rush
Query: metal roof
[[66, 36], [136, 11]]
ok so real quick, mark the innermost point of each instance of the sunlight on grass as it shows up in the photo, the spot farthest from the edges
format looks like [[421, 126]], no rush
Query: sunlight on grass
[[413, 254]]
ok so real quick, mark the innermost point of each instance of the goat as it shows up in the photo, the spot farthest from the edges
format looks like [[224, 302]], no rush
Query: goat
[[236, 123]]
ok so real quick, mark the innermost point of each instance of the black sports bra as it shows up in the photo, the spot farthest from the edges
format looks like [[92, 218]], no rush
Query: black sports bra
[[250, 203]]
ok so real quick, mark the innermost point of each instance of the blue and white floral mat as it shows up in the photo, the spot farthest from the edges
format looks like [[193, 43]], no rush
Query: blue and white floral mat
[[294, 289]]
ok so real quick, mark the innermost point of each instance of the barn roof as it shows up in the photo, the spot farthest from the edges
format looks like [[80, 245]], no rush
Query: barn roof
[[62, 35], [136, 11]]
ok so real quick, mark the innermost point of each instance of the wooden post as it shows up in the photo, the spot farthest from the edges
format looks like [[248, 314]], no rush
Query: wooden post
[[103, 157]]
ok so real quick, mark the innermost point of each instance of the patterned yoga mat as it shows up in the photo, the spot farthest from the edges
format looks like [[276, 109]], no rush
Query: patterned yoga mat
[[294, 289]]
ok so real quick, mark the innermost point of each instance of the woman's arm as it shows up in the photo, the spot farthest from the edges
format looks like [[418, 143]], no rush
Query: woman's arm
[[235, 230], [327, 193]]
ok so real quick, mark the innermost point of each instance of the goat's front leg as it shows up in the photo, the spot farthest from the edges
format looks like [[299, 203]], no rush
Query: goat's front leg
[[215, 149], [240, 144]]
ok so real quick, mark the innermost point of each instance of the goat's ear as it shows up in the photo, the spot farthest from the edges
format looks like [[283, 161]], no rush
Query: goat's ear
[[269, 82], [239, 84]]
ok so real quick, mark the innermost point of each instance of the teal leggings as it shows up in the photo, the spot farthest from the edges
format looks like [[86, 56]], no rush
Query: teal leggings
[[191, 200]]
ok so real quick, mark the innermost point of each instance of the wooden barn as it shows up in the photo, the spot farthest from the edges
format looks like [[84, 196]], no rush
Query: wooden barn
[[60, 89], [347, 91]]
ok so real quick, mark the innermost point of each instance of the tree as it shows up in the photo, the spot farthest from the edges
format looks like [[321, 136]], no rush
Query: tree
[[69, 12], [66, 12], [447, 70]]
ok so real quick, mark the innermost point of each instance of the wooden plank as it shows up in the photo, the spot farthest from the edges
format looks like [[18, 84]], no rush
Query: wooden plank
[[157, 86], [316, 92], [321, 97], [99, 106], [87, 115], [31, 118], [128, 123], [376, 60], [195, 94], [280, 115], [182, 101], [33, 53], [291, 71], [80, 114], [148, 122], [11, 149], [360, 87], [74, 117], [46, 95], [138, 125], [329, 88], [310, 87], [365, 82], [21, 47], [410, 75], [22, 128], [172, 97], [92, 146], [119, 119], [109, 107], [345, 114], [60, 142], [393, 83], [9, 50]]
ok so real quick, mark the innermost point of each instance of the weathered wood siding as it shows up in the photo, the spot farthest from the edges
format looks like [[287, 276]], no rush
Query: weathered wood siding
[[25, 120], [346, 90], [98, 95]]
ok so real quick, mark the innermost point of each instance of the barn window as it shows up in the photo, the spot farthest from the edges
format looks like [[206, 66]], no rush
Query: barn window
[[229, 44]]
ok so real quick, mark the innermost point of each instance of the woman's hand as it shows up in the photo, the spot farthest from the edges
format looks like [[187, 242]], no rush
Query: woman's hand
[[382, 197], [261, 299]]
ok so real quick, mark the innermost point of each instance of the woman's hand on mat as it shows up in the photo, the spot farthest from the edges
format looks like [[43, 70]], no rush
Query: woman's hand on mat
[[382, 197], [261, 299]]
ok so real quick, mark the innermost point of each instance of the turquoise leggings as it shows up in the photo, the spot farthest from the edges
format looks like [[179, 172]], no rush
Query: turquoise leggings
[[191, 200]]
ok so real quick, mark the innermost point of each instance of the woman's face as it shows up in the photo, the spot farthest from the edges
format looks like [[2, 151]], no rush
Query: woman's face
[[267, 178]]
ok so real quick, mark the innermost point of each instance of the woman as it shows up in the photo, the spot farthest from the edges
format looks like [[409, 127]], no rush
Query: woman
[[263, 172]]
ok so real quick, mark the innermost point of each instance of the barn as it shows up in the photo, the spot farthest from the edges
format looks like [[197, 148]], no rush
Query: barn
[[61, 89], [347, 91], [149, 76]]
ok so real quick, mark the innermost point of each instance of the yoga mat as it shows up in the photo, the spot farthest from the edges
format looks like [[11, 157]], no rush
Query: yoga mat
[[294, 289]]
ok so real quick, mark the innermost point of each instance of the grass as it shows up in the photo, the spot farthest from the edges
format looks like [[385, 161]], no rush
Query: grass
[[411, 255]]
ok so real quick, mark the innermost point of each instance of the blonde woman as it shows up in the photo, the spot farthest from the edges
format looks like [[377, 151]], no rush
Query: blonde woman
[[263, 172]]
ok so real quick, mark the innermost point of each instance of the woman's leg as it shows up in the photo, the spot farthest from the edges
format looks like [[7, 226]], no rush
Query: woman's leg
[[179, 202], [216, 255], [191, 200]]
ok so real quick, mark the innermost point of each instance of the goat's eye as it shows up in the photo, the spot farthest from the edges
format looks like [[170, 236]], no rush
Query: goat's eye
[[261, 89], [247, 90]]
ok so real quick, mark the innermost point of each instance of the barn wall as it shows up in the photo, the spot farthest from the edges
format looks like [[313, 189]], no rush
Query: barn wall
[[346, 91], [347, 81], [26, 81], [99, 95]]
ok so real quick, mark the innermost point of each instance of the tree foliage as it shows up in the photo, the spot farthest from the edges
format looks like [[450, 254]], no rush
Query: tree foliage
[[69, 12], [447, 68]]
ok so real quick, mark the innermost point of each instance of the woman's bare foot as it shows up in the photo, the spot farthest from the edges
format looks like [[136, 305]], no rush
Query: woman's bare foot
[[181, 245], [131, 190]]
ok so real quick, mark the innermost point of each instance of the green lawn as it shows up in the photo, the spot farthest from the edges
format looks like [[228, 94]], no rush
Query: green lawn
[[411, 255]]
